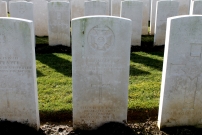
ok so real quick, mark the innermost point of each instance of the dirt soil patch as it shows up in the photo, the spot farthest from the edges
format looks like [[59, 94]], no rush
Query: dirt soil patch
[[113, 128]]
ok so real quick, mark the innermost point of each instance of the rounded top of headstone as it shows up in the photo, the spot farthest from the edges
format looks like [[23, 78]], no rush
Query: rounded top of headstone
[[99, 16], [15, 19]]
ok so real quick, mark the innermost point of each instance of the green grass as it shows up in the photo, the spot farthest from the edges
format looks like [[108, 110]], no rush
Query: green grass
[[145, 79], [55, 80]]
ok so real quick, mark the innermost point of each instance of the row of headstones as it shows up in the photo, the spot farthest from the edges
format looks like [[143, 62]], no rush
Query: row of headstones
[[59, 17], [166, 9], [100, 72]]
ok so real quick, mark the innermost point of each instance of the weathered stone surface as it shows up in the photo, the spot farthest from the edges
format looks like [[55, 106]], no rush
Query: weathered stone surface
[[18, 87], [21, 9], [145, 16], [77, 7], [181, 88], [152, 16], [196, 7], [183, 10], [149, 9], [40, 17], [134, 11], [110, 7], [3, 9], [13, 0], [95, 8], [100, 60], [170, 9], [116, 11], [116, 7], [59, 23], [184, 7]]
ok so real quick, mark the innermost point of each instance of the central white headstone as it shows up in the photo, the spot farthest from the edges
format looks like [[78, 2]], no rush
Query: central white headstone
[[18, 88], [116, 6], [59, 23], [77, 7], [40, 17], [169, 8], [100, 70], [95, 8], [181, 87], [184, 7], [134, 11], [21, 9], [145, 16]]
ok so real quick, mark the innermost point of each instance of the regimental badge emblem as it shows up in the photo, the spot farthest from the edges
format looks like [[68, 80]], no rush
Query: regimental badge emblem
[[101, 38]]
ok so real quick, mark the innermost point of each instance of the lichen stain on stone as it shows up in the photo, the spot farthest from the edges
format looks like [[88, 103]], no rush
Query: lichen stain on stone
[[84, 22], [59, 4], [129, 3]]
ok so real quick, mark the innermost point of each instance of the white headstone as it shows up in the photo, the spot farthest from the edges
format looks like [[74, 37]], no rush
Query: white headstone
[[184, 7], [21, 9], [134, 11], [59, 23], [40, 17], [152, 16], [181, 87], [3, 9], [101, 59], [170, 9], [116, 11], [115, 7], [7, 4], [18, 87], [95, 8], [110, 6], [77, 8], [149, 7], [145, 20], [196, 7]]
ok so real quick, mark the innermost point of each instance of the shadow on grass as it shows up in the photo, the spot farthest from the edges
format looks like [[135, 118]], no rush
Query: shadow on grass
[[153, 63], [45, 48], [59, 64], [148, 47], [39, 74], [157, 53], [41, 40], [137, 72]]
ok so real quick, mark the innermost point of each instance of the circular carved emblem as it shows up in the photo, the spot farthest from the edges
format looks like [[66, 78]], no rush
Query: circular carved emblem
[[101, 38]]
